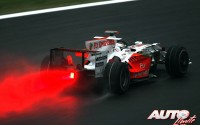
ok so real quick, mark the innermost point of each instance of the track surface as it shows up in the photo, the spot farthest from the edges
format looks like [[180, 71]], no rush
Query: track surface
[[168, 22]]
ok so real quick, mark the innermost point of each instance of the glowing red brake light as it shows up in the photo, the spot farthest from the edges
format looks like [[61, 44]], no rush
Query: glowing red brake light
[[71, 75]]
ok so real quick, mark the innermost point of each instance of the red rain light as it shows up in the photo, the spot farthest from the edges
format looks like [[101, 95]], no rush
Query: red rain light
[[72, 75]]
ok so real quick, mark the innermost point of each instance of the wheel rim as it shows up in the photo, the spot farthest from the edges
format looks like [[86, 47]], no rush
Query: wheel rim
[[184, 61]]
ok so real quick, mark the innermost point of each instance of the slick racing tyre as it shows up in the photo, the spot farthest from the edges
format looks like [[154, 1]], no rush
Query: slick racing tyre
[[177, 61], [117, 77], [45, 65]]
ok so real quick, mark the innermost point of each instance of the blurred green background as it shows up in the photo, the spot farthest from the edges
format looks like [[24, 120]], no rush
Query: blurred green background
[[12, 6]]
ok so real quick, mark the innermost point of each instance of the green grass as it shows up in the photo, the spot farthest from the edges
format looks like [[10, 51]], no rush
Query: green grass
[[13, 6]]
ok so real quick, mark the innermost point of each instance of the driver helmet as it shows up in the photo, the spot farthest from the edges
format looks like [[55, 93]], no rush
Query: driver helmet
[[121, 44]]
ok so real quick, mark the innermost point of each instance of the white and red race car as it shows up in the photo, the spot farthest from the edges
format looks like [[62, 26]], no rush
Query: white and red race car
[[116, 62]]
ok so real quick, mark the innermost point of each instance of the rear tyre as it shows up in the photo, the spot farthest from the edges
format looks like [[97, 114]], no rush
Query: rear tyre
[[117, 77], [45, 65], [177, 61], [115, 59]]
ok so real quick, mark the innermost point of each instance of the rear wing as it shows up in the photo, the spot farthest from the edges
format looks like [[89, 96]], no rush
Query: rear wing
[[57, 59], [57, 55]]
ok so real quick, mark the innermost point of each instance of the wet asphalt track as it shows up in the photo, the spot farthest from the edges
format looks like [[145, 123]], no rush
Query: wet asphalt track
[[168, 22]]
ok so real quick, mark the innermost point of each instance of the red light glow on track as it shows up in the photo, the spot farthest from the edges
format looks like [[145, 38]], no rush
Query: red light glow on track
[[19, 91]]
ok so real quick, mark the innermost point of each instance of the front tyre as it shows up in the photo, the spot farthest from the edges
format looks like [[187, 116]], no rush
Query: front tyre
[[177, 61], [117, 77]]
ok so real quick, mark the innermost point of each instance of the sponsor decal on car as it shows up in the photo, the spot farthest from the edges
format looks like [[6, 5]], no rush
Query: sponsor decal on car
[[182, 116], [140, 74], [103, 43], [100, 62], [142, 65], [101, 58]]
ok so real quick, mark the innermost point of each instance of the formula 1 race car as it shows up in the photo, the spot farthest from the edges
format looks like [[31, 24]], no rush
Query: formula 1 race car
[[116, 62]]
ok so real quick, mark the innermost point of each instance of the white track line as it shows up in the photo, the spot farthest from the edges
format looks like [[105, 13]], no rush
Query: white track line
[[62, 8]]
